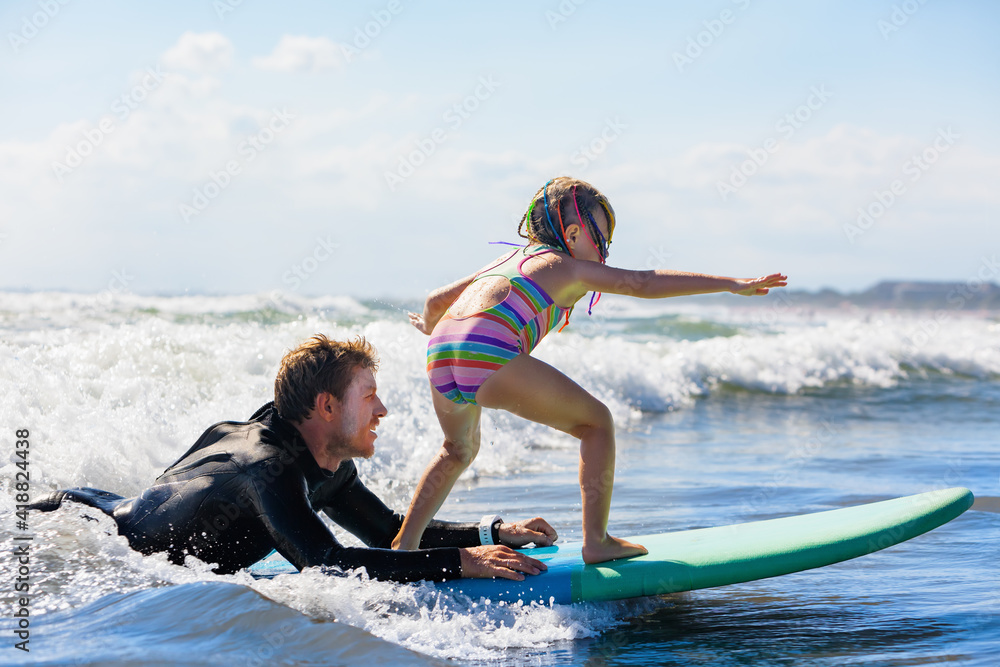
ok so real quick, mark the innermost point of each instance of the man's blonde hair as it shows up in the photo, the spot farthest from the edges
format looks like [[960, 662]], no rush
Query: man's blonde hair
[[319, 365]]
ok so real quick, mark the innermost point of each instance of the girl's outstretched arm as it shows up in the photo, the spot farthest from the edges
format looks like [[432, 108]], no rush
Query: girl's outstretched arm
[[662, 283], [437, 304]]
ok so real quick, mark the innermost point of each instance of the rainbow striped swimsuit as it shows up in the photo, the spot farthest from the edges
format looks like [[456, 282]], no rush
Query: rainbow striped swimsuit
[[464, 351]]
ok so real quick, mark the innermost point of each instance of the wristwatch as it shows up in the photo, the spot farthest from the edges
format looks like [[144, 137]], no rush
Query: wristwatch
[[489, 529]]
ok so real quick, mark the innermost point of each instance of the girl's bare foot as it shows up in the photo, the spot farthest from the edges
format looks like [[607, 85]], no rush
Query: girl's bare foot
[[611, 548]]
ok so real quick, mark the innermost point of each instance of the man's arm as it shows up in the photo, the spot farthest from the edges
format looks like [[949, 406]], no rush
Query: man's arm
[[302, 537], [350, 504]]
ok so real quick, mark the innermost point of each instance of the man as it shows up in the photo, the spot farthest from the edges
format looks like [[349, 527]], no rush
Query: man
[[246, 488]]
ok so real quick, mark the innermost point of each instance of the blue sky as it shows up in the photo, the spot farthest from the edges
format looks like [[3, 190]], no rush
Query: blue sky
[[241, 147]]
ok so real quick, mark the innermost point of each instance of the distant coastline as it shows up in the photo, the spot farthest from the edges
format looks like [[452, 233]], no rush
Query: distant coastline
[[897, 295]]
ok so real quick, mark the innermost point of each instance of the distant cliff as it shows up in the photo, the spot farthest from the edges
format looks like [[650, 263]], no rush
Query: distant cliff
[[901, 295]]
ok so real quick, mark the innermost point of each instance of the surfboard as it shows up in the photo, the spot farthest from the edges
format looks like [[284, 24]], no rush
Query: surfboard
[[710, 557]]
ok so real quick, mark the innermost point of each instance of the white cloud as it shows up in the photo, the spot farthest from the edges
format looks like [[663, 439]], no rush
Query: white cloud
[[334, 160], [301, 54], [207, 52]]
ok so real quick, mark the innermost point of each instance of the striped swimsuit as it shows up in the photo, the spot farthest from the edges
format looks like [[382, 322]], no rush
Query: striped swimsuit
[[464, 351]]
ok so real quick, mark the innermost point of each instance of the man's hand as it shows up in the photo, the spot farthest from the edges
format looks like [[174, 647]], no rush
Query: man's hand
[[755, 286], [498, 561], [535, 530]]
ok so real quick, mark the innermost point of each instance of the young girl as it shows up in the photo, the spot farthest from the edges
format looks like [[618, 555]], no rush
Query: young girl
[[484, 327]]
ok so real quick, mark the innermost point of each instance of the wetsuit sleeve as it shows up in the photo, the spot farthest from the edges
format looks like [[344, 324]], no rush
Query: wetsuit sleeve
[[353, 506], [302, 537], [102, 500]]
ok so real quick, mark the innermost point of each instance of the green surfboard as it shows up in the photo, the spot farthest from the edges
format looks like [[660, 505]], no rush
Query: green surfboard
[[710, 557]]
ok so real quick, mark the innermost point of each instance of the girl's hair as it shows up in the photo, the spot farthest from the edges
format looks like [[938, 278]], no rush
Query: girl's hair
[[555, 205]]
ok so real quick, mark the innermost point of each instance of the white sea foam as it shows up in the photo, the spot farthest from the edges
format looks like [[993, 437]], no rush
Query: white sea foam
[[112, 396], [425, 619], [114, 388], [78, 562]]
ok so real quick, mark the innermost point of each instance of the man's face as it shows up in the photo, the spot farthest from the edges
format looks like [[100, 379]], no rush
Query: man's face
[[360, 412]]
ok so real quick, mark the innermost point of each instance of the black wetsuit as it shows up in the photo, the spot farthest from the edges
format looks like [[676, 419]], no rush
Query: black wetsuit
[[246, 488]]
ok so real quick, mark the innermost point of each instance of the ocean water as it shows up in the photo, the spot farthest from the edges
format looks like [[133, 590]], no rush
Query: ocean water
[[725, 412]]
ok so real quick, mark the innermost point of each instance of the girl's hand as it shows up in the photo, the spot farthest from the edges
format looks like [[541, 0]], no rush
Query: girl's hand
[[421, 324], [754, 286]]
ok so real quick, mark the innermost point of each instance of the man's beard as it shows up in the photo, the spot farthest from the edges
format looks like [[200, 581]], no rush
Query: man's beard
[[352, 441]]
